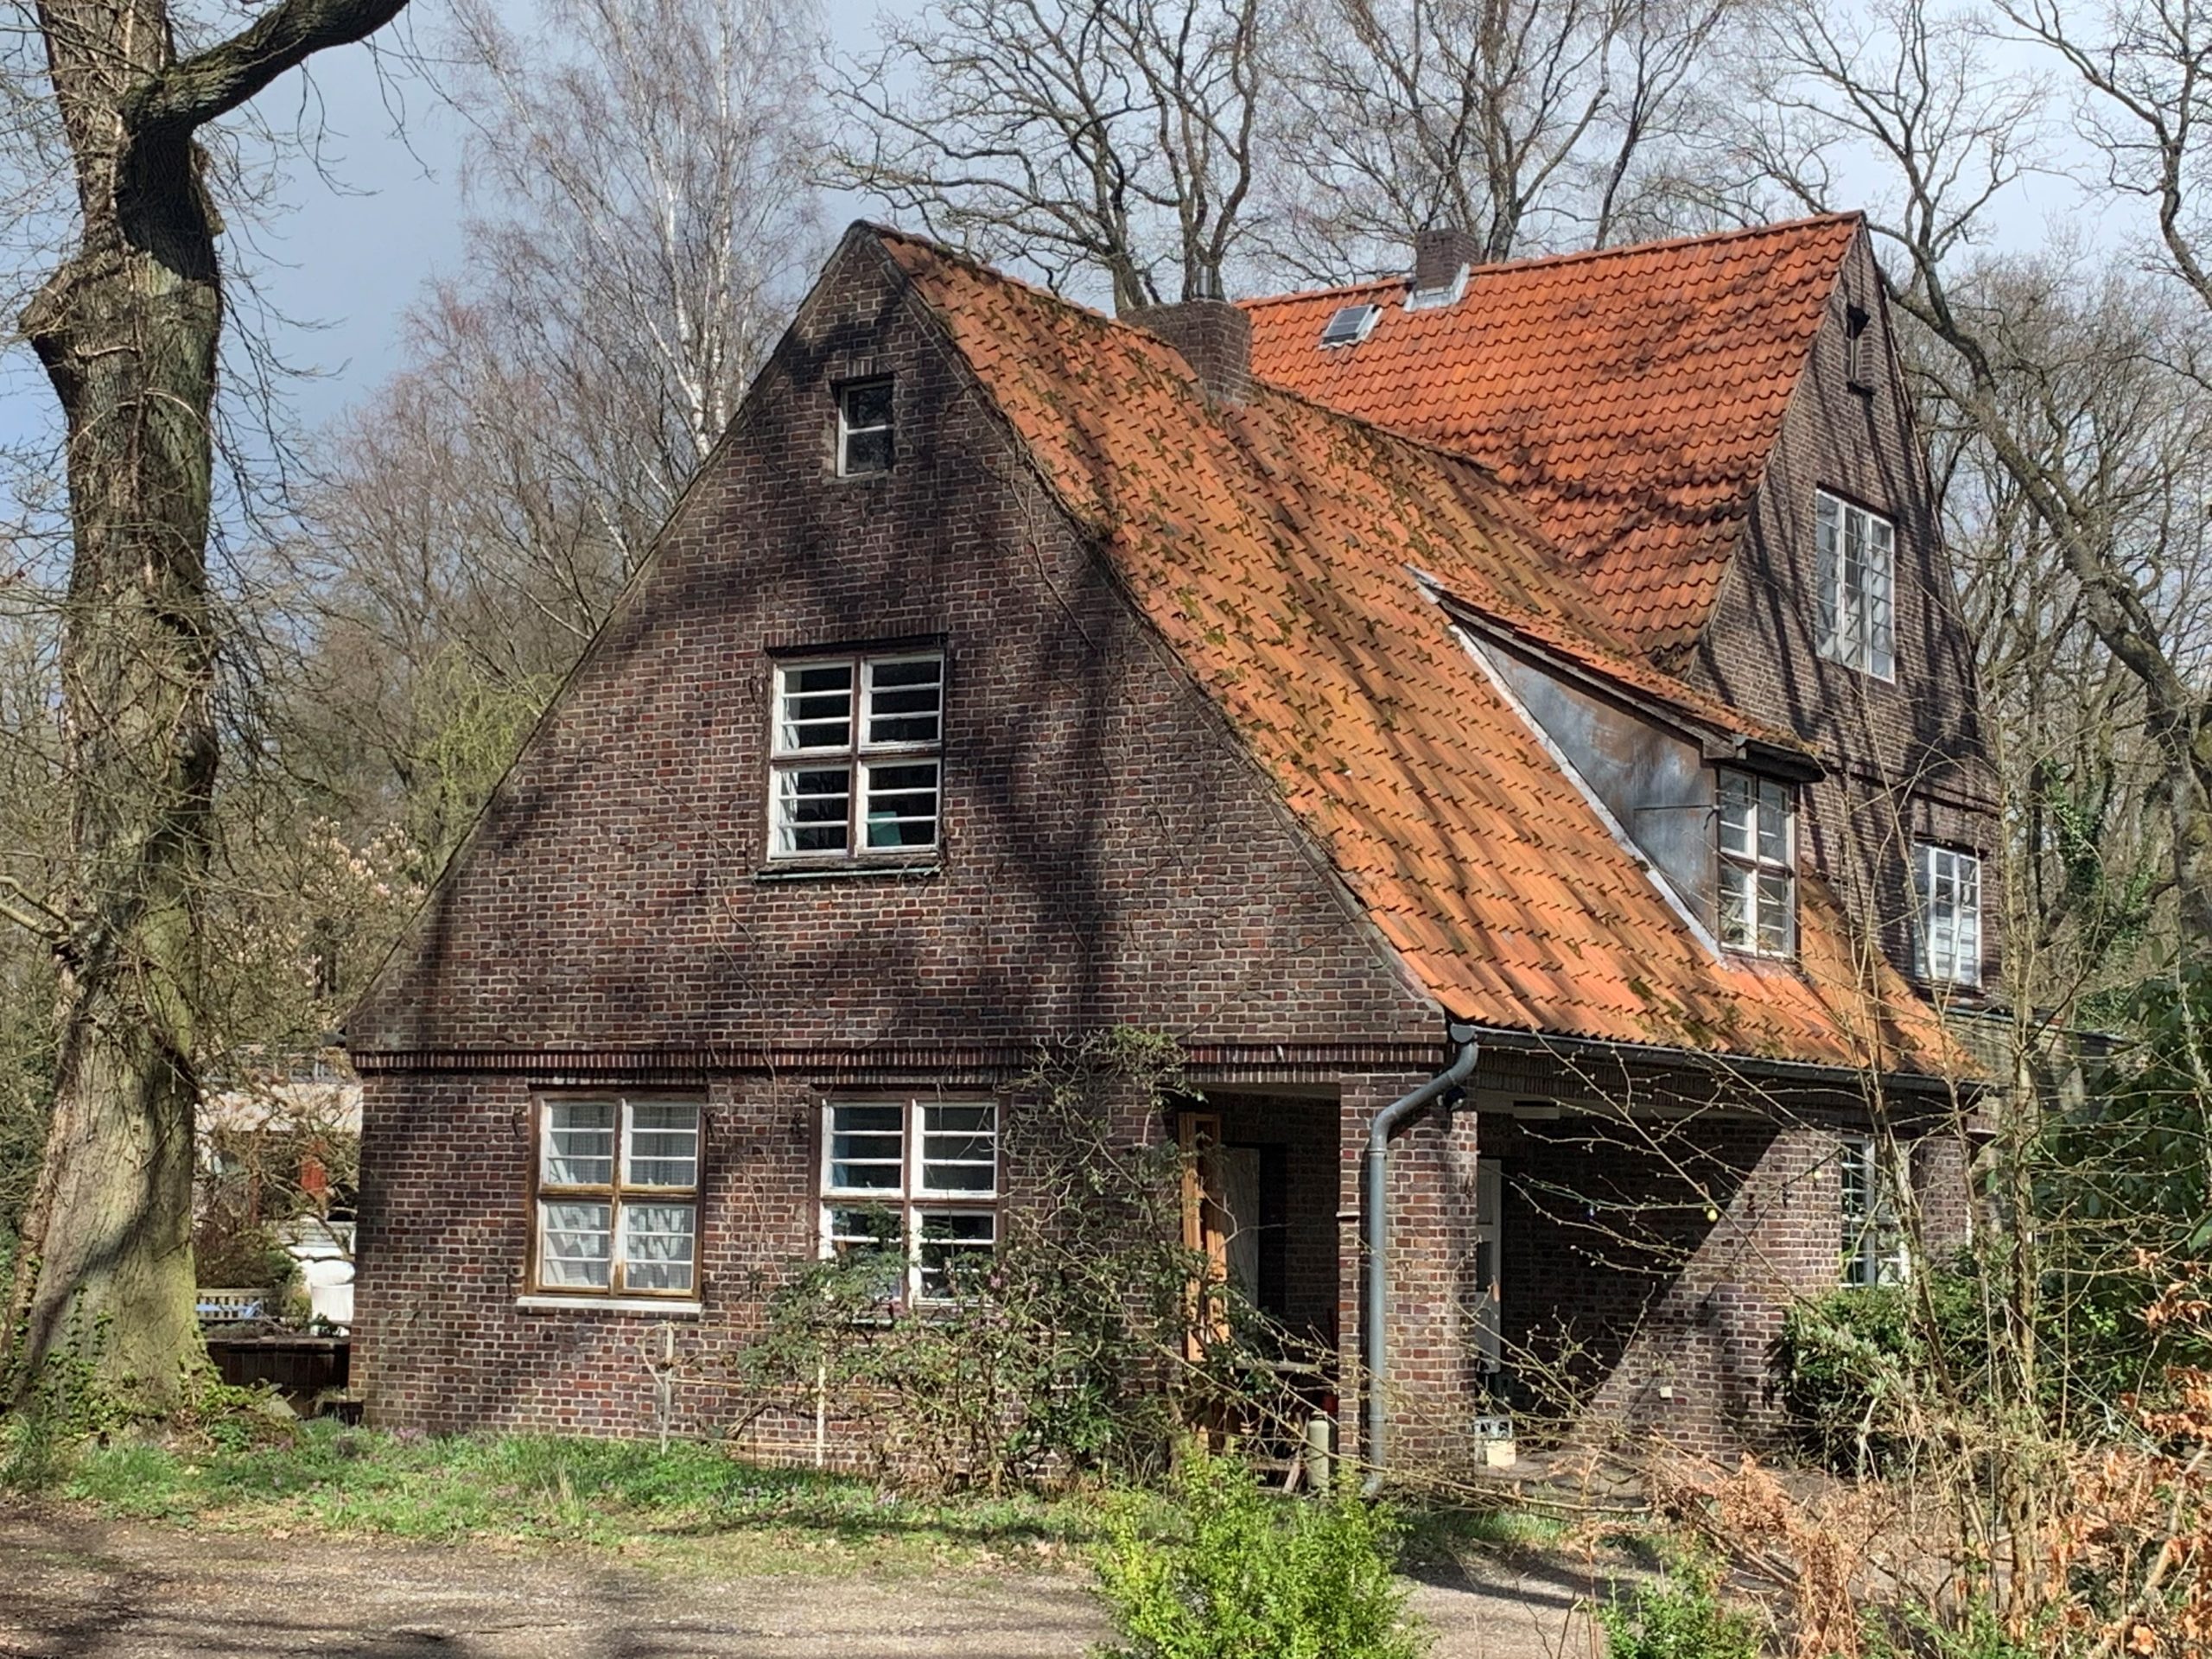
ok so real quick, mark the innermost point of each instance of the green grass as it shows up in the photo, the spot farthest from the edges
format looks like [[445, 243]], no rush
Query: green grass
[[689, 1501], [1436, 1533]]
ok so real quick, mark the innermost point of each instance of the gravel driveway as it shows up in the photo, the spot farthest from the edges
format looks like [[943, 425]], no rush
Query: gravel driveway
[[73, 1586]]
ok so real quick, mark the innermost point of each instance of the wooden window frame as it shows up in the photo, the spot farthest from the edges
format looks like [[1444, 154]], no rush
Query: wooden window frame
[[911, 1201], [617, 1192], [1756, 864], [1873, 650], [858, 757]]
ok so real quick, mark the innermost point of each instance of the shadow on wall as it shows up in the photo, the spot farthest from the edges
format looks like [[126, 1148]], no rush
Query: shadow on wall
[[1644, 1265]]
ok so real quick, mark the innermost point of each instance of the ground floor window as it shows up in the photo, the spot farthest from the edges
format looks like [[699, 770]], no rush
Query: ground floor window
[[617, 1198], [1873, 1236], [917, 1179]]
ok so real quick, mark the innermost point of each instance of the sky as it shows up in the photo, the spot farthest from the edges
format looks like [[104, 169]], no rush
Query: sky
[[355, 248], [352, 250]]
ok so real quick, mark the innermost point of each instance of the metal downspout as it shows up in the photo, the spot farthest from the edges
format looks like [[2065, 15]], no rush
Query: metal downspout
[[1374, 1322]]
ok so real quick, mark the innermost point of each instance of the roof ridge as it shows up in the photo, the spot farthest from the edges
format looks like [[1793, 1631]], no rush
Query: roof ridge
[[1578, 256]]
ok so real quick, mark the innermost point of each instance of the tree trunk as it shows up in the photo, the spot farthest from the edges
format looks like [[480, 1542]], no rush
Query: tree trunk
[[127, 330]]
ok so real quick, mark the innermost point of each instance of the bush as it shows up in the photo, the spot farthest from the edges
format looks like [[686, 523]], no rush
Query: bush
[[1247, 1576], [1854, 1368], [1680, 1617]]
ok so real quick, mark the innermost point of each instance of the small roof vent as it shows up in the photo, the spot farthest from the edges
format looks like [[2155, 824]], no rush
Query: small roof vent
[[1351, 325]]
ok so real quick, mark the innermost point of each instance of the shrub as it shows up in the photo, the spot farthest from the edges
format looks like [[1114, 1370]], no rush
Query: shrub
[[1680, 1616], [1248, 1576], [1855, 1369]]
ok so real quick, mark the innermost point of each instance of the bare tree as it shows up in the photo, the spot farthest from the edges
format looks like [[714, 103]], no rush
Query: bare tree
[[127, 327], [1524, 122], [1915, 91], [1078, 138], [645, 223]]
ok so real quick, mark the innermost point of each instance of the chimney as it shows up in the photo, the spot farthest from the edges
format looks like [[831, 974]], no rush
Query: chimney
[[1213, 335], [1441, 260]]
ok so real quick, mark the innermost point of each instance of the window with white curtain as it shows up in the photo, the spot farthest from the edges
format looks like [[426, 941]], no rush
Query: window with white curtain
[[618, 1196], [1757, 905]]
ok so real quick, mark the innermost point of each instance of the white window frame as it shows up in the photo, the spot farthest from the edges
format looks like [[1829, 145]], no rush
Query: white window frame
[[1867, 1192], [1756, 866], [912, 1202], [861, 760], [1947, 948], [620, 1193], [1857, 630], [843, 392]]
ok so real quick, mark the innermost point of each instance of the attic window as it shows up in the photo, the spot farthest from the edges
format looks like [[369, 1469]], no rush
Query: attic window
[[1855, 579], [1757, 896], [863, 427], [1858, 349], [1351, 325], [858, 747]]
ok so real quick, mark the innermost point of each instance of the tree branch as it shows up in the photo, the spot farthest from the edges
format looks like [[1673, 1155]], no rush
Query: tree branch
[[208, 85]]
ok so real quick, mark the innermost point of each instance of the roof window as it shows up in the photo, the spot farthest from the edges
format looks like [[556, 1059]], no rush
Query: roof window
[[1351, 325]]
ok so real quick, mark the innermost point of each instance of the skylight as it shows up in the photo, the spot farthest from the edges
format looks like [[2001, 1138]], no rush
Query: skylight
[[1351, 324]]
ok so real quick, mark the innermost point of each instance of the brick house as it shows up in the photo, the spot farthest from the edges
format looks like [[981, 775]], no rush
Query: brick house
[[1545, 672]]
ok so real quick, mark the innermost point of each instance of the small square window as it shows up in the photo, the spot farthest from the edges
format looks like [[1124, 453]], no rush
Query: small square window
[[1756, 903], [1948, 944], [864, 443]]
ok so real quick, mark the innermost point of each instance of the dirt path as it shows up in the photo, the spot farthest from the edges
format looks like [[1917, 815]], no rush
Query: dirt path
[[71, 1585]]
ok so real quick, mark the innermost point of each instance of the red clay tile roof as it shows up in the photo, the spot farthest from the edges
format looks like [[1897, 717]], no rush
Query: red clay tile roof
[[1629, 398], [1270, 543]]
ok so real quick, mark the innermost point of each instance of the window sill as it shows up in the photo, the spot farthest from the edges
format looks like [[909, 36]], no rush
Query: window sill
[[797, 871], [667, 1310]]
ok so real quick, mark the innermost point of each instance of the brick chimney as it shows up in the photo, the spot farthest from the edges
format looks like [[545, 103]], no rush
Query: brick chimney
[[1440, 257], [1213, 335]]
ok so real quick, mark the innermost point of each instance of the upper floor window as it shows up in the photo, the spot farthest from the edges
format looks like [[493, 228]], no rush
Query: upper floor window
[[917, 1179], [858, 755], [1874, 1250], [1757, 907], [863, 427], [618, 1196], [1856, 580], [1858, 349], [1949, 946]]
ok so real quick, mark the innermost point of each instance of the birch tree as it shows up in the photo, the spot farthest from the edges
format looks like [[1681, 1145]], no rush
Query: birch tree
[[641, 222], [127, 326]]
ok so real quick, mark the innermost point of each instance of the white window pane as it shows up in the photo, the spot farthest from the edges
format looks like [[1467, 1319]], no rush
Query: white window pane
[[905, 698], [579, 1148], [659, 1243], [1774, 914], [1773, 824], [960, 1149], [575, 1245], [873, 1227], [953, 1249], [816, 707], [867, 1148], [902, 804], [813, 807], [1737, 814], [663, 1149], [1735, 907]]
